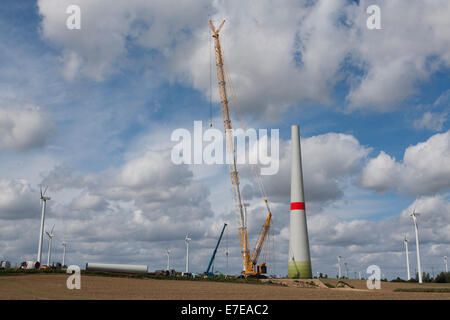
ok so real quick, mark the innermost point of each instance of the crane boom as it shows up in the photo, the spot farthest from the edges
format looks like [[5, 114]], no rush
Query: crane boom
[[215, 251], [249, 262], [263, 233], [234, 173]]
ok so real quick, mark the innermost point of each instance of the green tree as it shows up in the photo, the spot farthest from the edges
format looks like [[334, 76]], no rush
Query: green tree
[[443, 277]]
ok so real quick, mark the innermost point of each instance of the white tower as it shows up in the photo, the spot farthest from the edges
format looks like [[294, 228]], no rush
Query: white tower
[[187, 240], [50, 238], [445, 262], [299, 263], [339, 266], [407, 257], [44, 200], [414, 215], [64, 244], [168, 259]]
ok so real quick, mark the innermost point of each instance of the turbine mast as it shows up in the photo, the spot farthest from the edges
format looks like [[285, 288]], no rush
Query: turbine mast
[[414, 215], [407, 258], [64, 244], [339, 266], [41, 232]]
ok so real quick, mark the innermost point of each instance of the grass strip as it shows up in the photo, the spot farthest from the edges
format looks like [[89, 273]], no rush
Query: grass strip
[[438, 290]]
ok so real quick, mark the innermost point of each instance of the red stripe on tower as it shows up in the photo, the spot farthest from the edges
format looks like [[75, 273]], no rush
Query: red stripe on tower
[[297, 206]]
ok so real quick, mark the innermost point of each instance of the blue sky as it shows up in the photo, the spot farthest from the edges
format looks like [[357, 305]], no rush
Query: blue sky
[[90, 112]]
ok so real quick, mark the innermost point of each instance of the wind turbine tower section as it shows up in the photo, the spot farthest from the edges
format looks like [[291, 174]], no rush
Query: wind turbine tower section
[[407, 258], [299, 265], [44, 200]]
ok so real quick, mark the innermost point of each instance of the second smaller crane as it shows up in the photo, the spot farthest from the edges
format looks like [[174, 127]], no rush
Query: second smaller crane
[[208, 272]]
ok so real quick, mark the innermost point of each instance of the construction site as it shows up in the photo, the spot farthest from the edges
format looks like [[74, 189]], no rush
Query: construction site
[[41, 277], [122, 287]]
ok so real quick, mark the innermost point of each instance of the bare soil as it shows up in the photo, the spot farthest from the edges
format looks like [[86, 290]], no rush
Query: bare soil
[[53, 286]]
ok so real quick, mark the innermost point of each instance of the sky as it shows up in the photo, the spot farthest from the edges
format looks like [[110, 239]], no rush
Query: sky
[[89, 113]]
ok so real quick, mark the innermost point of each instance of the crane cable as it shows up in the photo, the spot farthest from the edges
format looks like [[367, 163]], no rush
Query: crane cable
[[235, 104], [210, 79], [255, 167]]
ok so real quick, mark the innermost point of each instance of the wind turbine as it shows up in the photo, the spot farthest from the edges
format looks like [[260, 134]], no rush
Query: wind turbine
[[445, 261], [414, 215], [339, 264], [50, 238], [407, 257], [168, 259], [187, 240], [64, 244], [44, 200]]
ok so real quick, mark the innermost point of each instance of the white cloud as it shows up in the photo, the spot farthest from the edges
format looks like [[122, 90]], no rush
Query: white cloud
[[87, 201], [18, 200], [24, 127], [431, 121], [107, 29], [424, 170], [305, 48], [63, 177], [153, 169], [394, 59], [327, 160], [381, 173]]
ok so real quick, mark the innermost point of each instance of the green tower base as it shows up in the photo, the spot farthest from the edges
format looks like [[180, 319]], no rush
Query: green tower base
[[299, 270]]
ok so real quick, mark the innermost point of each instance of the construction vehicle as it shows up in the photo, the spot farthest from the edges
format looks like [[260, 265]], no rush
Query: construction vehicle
[[249, 262], [208, 272]]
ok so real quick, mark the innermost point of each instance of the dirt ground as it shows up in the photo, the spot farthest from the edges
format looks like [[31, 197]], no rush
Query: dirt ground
[[53, 286]]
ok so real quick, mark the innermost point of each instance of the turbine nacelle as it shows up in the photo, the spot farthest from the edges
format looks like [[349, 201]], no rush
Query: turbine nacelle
[[43, 197], [50, 234]]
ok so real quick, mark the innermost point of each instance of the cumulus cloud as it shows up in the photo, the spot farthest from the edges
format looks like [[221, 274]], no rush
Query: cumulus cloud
[[24, 127], [63, 177], [153, 169], [134, 227], [423, 171], [431, 121], [108, 29], [18, 200], [395, 58], [381, 173], [289, 46], [327, 160], [87, 201]]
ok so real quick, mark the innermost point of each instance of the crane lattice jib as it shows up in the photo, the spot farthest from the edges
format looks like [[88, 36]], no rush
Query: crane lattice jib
[[234, 174], [263, 233]]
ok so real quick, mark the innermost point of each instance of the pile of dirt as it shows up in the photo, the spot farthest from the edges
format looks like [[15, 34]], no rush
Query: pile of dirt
[[342, 284], [299, 283]]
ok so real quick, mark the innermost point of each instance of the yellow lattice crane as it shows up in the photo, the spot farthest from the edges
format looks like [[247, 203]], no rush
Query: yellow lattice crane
[[250, 262]]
